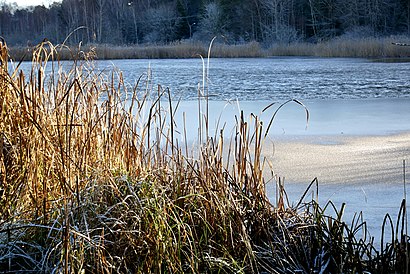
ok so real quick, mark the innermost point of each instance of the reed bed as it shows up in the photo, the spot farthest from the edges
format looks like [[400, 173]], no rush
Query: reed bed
[[173, 50], [94, 180], [366, 47], [363, 47], [191, 49], [369, 47]]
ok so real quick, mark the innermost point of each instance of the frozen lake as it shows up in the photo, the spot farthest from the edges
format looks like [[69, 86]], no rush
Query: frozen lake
[[267, 79]]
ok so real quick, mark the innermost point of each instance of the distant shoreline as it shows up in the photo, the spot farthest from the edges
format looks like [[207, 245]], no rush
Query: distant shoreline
[[378, 48]]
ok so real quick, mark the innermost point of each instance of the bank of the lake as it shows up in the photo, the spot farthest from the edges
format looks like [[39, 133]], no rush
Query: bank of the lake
[[363, 47]]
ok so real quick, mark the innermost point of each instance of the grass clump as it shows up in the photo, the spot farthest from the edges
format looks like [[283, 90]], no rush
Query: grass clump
[[94, 180]]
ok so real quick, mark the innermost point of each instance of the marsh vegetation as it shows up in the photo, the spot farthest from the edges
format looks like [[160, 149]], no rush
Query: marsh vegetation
[[94, 180], [380, 48]]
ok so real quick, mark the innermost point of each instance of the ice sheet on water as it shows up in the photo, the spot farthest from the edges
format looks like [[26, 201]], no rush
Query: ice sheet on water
[[258, 79]]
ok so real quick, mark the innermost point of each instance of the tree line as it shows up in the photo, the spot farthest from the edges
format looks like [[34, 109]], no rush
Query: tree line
[[125, 22]]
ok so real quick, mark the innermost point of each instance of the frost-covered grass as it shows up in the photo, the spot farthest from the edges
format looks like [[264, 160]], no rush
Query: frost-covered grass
[[93, 180]]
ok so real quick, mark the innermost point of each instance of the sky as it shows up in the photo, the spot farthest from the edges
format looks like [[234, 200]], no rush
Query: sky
[[24, 3]]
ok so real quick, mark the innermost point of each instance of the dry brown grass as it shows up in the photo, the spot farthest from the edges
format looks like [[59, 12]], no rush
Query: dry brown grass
[[93, 178], [338, 47], [347, 47]]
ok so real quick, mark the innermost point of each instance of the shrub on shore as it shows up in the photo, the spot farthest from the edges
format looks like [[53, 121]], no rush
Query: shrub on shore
[[94, 180]]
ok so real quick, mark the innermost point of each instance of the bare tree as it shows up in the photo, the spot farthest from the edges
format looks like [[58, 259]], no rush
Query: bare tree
[[211, 22], [161, 23], [277, 26]]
